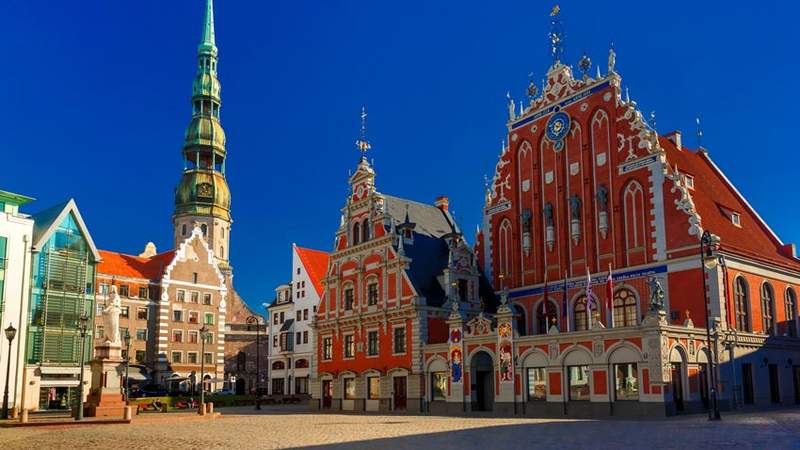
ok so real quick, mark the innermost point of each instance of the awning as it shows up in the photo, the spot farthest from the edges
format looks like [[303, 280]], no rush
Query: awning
[[138, 374], [287, 325]]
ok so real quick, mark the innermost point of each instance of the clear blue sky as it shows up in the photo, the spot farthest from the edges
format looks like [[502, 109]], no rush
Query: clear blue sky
[[96, 99]]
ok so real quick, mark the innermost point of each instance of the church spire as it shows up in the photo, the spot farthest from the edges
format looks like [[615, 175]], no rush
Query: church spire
[[208, 42]]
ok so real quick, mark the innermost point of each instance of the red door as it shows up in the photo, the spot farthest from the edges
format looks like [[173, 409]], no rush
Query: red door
[[399, 392], [327, 394]]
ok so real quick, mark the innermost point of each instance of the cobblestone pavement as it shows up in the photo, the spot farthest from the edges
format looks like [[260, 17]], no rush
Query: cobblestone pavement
[[288, 427]]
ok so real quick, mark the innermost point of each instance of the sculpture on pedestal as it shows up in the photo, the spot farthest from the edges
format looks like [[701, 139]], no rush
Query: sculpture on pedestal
[[111, 314]]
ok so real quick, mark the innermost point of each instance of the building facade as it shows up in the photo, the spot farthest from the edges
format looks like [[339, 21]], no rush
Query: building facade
[[397, 269], [63, 262], [592, 226], [16, 234], [291, 340]]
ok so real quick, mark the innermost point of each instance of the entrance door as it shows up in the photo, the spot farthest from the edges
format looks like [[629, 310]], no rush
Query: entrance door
[[240, 387], [702, 377], [327, 394], [484, 391], [796, 377], [774, 384], [677, 386], [399, 393], [747, 383]]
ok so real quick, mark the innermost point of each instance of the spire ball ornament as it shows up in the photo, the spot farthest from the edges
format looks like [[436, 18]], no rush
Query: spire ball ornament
[[556, 36]]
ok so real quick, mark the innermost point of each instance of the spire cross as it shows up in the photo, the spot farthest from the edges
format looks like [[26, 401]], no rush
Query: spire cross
[[362, 143]]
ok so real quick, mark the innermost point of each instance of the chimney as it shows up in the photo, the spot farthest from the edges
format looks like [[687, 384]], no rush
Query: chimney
[[675, 137], [442, 203]]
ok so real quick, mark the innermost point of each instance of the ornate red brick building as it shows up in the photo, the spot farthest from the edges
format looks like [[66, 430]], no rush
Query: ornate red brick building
[[396, 268], [585, 187]]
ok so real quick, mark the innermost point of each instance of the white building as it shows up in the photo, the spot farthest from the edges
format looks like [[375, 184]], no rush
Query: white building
[[291, 314], [16, 231]]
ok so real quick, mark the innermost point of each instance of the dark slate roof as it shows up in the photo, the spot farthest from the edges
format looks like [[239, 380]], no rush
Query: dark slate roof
[[429, 252], [287, 325]]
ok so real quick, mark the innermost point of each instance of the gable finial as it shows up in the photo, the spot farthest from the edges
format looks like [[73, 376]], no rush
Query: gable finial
[[612, 58], [362, 143], [556, 35], [699, 132]]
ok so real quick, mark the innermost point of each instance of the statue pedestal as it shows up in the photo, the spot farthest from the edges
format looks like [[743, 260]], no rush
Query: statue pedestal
[[105, 398]]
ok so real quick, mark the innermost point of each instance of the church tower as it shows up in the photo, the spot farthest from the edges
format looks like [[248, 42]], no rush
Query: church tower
[[202, 196]]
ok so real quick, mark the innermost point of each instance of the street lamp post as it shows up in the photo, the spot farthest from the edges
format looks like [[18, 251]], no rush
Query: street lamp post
[[254, 319], [127, 363], [706, 251], [203, 336], [83, 324], [11, 332]]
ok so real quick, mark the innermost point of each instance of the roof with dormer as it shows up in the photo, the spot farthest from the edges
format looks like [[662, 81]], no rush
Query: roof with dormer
[[715, 198]]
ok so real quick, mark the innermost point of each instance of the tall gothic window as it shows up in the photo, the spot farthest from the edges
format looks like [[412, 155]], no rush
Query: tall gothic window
[[356, 233], [791, 313], [634, 218], [365, 231], [579, 319], [741, 305], [625, 309], [504, 248], [545, 313], [768, 308], [522, 326]]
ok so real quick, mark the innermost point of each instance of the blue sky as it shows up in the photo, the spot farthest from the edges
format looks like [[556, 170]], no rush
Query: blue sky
[[96, 99]]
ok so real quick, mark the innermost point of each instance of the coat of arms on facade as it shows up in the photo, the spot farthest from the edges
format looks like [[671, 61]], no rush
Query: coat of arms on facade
[[479, 326]]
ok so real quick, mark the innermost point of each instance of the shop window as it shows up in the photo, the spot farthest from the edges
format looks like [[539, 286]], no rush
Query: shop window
[[626, 382], [349, 388], [578, 380], [537, 386], [373, 388], [439, 385]]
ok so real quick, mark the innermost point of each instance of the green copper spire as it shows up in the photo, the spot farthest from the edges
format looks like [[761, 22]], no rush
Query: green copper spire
[[208, 42], [202, 196]]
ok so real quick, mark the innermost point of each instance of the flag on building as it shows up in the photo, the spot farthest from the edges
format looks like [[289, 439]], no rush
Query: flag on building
[[589, 298], [610, 297]]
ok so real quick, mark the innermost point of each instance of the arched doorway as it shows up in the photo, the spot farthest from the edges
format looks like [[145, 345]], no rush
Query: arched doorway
[[481, 369], [677, 361]]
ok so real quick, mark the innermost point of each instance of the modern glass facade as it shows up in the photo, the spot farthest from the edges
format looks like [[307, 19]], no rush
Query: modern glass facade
[[63, 278]]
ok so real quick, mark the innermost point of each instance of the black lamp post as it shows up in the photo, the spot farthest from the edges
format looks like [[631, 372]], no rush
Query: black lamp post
[[253, 319], [11, 332], [127, 338], [706, 251], [203, 336], [83, 324]]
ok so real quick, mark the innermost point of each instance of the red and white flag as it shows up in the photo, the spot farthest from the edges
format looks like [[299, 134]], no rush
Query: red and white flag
[[610, 297]]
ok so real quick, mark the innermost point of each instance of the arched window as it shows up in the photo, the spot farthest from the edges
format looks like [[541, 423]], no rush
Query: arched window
[[579, 319], [204, 229], [356, 233], [183, 230], [278, 365], [365, 231], [741, 305], [791, 313], [768, 308], [301, 364], [545, 314], [522, 325], [221, 252], [634, 211], [625, 309], [504, 248]]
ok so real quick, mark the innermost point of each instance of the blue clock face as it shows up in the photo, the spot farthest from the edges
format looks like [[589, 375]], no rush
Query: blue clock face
[[557, 126]]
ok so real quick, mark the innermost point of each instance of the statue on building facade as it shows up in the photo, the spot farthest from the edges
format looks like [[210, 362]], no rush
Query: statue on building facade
[[657, 295]]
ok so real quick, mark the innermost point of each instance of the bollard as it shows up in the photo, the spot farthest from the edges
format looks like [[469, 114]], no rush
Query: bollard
[[210, 408], [23, 418], [128, 414]]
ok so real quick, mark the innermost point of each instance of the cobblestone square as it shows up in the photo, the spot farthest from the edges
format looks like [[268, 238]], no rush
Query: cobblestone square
[[245, 428]]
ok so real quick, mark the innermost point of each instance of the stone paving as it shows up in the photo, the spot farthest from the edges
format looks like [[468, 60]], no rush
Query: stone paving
[[292, 427]]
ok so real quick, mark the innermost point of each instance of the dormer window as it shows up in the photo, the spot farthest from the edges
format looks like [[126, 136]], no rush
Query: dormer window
[[736, 219], [689, 180]]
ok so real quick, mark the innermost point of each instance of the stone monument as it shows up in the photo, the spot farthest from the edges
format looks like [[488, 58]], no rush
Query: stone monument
[[106, 398]]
